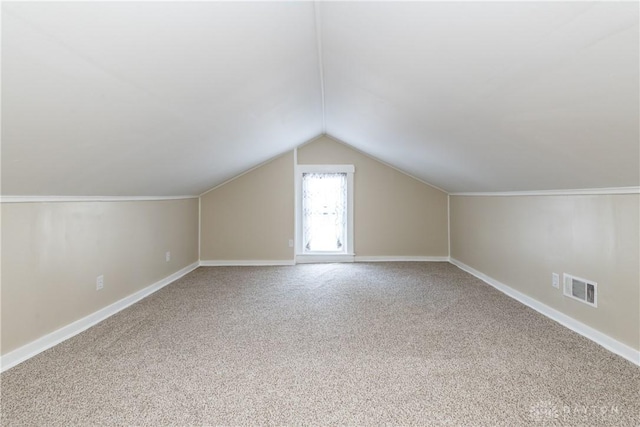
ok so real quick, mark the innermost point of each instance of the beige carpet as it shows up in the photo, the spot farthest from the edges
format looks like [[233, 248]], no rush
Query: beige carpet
[[355, 344]]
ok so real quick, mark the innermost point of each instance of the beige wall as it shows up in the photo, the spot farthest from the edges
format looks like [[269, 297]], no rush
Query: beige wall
[[394, 214], [53, 252], [520, 241], [251, 217]]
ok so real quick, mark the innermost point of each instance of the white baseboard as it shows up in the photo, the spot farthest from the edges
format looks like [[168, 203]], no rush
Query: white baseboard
[[598, 337], [27, 351], [318, 259], [314, 259], [242, 262], [402, 258]]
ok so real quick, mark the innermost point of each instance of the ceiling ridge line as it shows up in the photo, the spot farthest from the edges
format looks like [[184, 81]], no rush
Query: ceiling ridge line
[[318, 28]]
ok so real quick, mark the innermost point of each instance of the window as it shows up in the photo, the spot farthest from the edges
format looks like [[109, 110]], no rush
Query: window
[[324, 213]]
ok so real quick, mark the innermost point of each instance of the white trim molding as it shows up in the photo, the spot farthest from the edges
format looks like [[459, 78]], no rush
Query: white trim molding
[[296, 214], [319, 259], [245, 262], [576, 192], [594, 335], [199, 227], [60, 199], [401, 259], [449, 225], [326, 168], [27, 351]]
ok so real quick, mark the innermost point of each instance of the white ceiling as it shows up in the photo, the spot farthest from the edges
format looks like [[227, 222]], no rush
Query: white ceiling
[[174, 98], [152, 98], [488, 96]]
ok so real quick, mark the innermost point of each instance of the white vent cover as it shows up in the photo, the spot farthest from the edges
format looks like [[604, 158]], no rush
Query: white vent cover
[[581, 289]]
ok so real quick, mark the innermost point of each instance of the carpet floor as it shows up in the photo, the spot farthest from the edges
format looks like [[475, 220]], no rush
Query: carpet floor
[[348, 344]]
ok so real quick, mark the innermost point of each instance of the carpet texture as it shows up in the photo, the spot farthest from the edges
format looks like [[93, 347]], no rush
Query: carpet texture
[[354, 344]]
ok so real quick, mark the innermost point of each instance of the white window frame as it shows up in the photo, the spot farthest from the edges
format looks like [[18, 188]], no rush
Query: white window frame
[[313, 257]]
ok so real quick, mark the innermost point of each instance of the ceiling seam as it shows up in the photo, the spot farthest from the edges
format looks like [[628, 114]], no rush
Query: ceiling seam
[[65, 199], [563, 192], [318, 22]]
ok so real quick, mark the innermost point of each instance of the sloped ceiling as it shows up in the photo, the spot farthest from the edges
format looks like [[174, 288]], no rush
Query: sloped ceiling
[[174, 98], [488, 96], [137, 98]]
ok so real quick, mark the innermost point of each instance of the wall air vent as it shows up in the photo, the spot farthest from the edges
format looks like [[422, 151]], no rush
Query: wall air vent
[[581, 289]]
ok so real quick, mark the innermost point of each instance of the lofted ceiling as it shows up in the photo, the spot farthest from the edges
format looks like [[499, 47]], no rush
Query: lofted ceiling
[[166, 98], [173, 98]]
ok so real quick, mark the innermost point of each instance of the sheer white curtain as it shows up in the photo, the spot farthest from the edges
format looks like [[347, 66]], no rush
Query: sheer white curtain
[[324, 212]]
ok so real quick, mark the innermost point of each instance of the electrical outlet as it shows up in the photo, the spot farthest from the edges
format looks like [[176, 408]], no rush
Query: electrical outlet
[[555, 280], [167, 256], [290, 243], [99, 282]]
